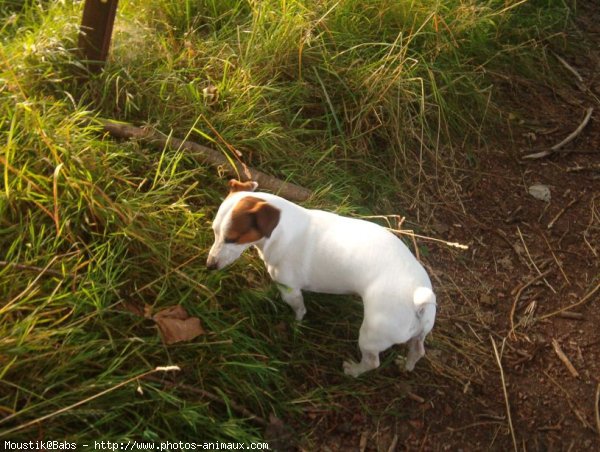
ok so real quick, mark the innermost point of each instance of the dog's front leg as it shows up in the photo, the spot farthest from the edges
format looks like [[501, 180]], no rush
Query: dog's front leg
[[294, 298]]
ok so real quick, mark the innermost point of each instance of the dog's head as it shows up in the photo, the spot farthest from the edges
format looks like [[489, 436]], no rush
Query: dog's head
[[241, 222]]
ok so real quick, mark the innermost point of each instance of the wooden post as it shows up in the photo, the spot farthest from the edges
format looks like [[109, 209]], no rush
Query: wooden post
[[96, 30]]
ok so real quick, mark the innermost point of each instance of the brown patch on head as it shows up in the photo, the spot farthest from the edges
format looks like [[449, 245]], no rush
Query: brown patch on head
[[236, 185], [252, 219]]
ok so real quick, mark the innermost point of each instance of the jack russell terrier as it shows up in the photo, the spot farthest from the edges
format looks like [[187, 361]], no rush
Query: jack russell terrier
[[320, 251]]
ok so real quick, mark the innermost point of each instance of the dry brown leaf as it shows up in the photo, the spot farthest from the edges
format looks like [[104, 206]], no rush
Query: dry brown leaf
[[141, 310], [175, 325], [173, 312]]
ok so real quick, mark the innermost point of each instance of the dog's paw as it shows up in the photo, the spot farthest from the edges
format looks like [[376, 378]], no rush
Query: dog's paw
[[300, 313], [404, 363], [352, 368]]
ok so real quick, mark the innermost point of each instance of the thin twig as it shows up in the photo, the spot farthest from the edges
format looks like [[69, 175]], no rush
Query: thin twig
[[415, 397], [594, 217], [568, 139], [516, 300], [577, 168], [555, 258], [531, 260], [568, 308], [394, 444], [565, 360], [509, 418], [417, 252], [577, 131], [571, 69], [424, 237], [571, 315], [400, 220], [589, 245], [562, 211]]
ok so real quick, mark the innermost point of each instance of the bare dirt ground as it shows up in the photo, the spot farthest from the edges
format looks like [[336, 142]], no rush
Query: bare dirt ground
[[528, 260]]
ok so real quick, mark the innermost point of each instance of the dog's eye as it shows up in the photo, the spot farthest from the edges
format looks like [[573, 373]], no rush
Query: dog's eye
[[230, 240]]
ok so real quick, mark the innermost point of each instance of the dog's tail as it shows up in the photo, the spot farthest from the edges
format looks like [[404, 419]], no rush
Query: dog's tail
[[425, 307]]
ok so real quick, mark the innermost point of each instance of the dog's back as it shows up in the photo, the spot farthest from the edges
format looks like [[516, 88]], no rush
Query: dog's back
[[330, 253]]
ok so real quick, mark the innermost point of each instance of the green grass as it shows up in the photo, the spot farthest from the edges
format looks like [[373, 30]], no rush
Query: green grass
[[361, 101]]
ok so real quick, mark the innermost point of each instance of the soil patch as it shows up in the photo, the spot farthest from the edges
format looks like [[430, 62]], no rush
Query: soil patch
[[528, 260]]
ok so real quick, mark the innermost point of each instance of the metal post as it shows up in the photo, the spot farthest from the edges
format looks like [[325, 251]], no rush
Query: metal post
[[96, 30]]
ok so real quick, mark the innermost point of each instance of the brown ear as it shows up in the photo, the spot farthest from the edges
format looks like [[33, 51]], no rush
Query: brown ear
[[252, 219], [236, 185], [267, 217]]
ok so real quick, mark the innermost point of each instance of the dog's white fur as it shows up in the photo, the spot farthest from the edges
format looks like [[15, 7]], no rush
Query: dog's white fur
[[320, 251]]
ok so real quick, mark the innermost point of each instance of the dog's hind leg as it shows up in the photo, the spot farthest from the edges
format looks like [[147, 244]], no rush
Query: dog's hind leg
[[425, 305], [416, 350], [370, 344], [294, 298]]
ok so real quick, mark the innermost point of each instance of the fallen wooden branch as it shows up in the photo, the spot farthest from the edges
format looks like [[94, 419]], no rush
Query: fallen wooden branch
[[571, 137], [206, 155]]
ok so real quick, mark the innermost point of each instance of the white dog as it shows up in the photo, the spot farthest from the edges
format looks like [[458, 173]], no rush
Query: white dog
[[320, 251]]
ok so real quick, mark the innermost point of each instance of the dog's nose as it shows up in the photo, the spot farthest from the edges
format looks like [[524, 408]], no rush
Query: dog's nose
[[211, 264]]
